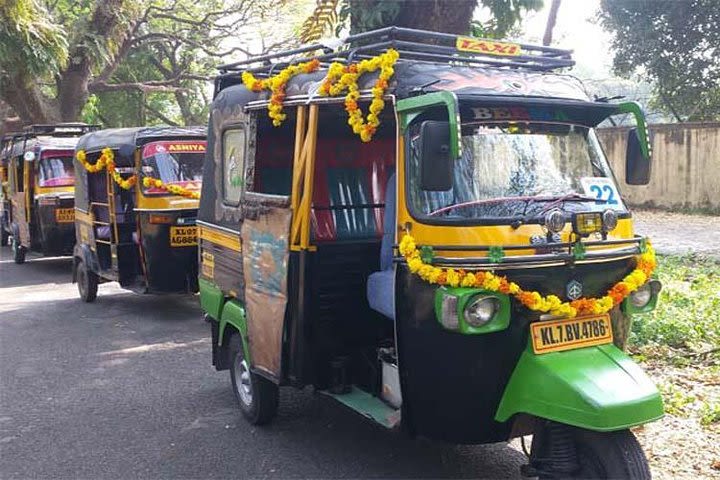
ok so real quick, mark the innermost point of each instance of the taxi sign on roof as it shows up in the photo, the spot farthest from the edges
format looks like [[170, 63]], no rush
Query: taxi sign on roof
[[489, 47]]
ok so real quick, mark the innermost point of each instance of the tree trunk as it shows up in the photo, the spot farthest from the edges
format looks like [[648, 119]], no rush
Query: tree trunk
[[447, 16], [551, 21], [22, 92]]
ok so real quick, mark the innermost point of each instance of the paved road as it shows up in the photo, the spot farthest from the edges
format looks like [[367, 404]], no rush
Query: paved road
[[123, 388]]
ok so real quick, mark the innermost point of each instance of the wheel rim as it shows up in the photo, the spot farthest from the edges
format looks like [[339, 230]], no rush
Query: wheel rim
[[243, 380], [81, 281]]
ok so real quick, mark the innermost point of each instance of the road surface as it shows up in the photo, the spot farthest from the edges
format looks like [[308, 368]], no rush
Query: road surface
[[123, 388]]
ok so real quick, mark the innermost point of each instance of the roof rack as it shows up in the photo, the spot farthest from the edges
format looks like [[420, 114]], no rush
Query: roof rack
[[416, 46], [59, 129]]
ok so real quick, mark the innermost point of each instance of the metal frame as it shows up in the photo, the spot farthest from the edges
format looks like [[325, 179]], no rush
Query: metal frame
[[413, 45]]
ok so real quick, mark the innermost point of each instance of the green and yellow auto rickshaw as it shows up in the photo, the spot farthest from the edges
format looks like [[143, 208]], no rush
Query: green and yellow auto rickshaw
[[38, 197], [457, 264], [136, 200]]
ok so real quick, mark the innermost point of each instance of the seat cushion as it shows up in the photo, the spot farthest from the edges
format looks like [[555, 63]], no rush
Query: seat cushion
[[381, 292]]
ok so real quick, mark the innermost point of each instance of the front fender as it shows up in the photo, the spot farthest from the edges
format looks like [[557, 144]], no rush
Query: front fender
[[597, 388]]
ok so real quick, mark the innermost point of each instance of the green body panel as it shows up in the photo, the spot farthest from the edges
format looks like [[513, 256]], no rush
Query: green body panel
[[499, 322], [597, 388], [367, 405], [233, 313], [409, 108], [211, 298]]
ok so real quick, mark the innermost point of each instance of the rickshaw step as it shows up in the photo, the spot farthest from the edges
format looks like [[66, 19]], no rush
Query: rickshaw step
[[99, 204], [368, 406], [98, 222]]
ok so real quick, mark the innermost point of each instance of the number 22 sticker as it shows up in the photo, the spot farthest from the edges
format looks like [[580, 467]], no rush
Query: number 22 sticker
[[600, 188]]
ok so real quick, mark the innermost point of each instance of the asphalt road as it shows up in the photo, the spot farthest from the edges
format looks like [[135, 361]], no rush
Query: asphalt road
[[123, 388]]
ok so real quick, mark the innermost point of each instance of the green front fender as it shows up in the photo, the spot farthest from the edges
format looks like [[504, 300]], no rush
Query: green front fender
[[598, 388]]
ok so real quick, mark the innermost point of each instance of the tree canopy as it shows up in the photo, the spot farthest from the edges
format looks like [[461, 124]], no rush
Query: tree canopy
[[675, 45]]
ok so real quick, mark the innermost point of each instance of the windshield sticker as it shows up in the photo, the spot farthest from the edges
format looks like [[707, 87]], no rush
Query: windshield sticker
[[602, 189], [468, 44], [173, 147]]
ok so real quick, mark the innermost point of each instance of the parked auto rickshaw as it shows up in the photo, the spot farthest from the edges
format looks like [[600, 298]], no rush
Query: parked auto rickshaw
[[136, 201], [38, 198], [459, 264], [6, 143]]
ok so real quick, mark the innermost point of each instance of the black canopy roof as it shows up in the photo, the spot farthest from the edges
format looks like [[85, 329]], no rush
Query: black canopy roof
[[125, 140]]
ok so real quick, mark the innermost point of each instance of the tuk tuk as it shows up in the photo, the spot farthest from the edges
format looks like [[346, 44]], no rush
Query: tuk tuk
[[6, 143], [425, 228], [136, 201], [38, 197]]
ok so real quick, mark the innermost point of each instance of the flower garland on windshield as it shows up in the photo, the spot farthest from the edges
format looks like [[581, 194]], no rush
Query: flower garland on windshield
[[277, 85], [345, 77], [106, 161], [533, 300], [149, 182]]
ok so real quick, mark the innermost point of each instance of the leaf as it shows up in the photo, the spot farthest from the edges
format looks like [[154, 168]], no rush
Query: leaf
[[579, 250], [496, 254], [426, 254], [323, 18]]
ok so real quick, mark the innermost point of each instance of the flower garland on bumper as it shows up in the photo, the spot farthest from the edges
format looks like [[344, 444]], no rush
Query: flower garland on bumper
[[149, 182], [533, 300]]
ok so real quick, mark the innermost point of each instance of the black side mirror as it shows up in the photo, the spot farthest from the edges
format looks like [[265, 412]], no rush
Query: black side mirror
[[436, 166], [637, 165]]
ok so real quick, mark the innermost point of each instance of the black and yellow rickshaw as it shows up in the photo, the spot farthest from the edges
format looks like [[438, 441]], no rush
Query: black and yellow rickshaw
[[38, 209], [458, 264], [6, 143], [136, 201]]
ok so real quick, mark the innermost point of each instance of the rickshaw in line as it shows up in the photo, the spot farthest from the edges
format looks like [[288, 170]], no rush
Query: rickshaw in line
[[458, 264], [136, 201], [38, 196]]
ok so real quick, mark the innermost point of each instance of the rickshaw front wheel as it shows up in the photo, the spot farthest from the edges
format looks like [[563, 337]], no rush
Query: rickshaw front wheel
[[18, 252], [87, 281], [601, 455], [256, 395]]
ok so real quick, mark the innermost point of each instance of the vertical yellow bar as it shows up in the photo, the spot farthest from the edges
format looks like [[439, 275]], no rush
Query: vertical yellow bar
[[306, 204]]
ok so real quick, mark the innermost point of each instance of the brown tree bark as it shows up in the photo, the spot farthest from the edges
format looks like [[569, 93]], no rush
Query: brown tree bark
[[551, 21], [448, 16]]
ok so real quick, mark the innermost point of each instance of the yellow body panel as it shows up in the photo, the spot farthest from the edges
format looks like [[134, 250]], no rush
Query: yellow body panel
[[53, 190], [165, 202], [219, 237], [426, 234]]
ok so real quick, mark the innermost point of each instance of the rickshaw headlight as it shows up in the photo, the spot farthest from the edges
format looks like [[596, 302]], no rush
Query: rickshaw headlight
[[481, 310], [641, 297], [555, 221]]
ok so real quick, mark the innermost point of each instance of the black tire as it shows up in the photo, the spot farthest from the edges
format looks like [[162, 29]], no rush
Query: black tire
[[87, 281], [4, 237], [18, 252], [256, 395], [604, 455]]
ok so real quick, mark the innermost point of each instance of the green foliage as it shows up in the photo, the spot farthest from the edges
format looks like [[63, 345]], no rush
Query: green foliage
[[674, 44], [29, 38], [688, 312], [504, 16]]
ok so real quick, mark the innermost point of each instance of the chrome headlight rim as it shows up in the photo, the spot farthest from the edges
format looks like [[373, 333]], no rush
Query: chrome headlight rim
[[489, 303], [642, 297], [555, 221], [609, 220]]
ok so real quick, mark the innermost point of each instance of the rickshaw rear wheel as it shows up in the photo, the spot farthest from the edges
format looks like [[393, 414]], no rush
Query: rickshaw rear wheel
[[18, 252], [256, 395], [601, 455], [87, 282]]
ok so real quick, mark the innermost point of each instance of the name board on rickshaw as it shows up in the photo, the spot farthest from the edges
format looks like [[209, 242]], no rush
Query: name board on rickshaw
[[173, 147], [474, 45]]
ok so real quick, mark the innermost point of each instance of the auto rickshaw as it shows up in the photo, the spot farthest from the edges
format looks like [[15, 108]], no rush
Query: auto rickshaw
[[6, 143], [38, 199], [136, 201], [457, 264]]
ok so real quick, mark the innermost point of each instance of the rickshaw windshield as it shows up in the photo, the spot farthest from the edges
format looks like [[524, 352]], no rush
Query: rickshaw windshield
[[511, 170], [175, 163], [56, 171]]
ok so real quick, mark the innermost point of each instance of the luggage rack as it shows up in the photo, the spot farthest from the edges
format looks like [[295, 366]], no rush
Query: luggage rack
[[416, 45], [58, 130]]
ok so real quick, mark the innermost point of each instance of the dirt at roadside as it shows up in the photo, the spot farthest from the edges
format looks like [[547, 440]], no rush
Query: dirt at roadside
[[679, 233]]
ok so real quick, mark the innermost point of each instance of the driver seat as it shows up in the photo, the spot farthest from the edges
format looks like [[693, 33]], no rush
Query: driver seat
[[381, 285]]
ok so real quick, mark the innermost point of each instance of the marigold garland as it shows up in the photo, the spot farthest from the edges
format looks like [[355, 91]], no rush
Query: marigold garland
[[533, 300], [174, 189], [106, 161], [276, 85], [345, 77]]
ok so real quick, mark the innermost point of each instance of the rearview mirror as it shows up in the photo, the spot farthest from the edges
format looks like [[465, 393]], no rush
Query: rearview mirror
[[637, 165], [436, 166]]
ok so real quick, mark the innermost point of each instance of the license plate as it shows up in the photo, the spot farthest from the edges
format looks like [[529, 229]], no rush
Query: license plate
[[64, 215], [559, 335], [183, 236]]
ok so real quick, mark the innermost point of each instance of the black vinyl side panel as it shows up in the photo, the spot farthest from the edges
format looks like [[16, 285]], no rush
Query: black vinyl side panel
[[451, 383]]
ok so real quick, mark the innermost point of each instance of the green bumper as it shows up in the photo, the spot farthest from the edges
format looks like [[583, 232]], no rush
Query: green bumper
[[596, 388]]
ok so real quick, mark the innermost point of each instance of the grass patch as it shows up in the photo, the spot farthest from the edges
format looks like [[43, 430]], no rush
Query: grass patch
[[687, 316]]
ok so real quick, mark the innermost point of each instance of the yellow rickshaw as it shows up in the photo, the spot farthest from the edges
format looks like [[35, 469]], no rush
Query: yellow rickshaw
[[424, 228], [136, 200]]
